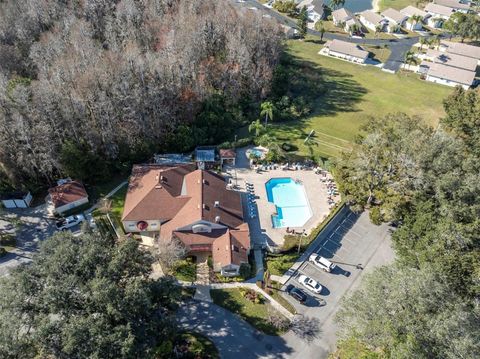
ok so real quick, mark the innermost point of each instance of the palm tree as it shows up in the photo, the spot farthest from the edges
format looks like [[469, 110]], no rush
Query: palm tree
[[354, 29], [266, 109], [320, 28], [336, 4], [435, 41], [410, 58], [416, 19], [378, 29], [422, 41], [256, 127]]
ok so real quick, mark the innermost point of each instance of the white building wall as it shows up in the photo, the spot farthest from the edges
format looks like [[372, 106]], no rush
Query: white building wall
[[69, 206], [131, 226], [346, 57], [445, 82]]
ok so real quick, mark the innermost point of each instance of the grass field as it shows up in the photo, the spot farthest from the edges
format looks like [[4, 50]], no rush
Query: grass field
[[400, 4], [353, 94]]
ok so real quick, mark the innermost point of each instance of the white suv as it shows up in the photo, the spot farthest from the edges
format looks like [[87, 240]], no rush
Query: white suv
[[66, 223], [321, 262]]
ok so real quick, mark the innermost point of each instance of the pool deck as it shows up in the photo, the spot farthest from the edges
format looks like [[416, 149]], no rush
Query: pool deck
[[261, 229]]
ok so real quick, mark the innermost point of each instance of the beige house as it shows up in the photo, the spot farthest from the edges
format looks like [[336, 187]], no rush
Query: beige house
[[459, 48], [192, 205], [447, 75], [346, 50], [454, 60], [395, 19], [411, 11], [438, 14], [345, 19], [372, 20], [454, 4]]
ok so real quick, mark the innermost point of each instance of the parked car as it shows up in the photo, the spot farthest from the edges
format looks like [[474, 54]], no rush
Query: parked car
[[68, 222], [309, 283], [321, 262], [297, 294]]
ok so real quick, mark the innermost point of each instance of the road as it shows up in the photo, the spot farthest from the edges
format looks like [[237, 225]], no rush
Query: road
[[398, 47]]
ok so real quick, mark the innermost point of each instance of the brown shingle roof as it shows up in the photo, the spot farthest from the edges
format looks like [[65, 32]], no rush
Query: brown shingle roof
[[180, 196], [228, 153], [67, 193]]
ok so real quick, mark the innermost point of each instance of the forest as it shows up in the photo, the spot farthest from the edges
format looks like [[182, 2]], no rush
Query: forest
[[425, 183], [88, 87]]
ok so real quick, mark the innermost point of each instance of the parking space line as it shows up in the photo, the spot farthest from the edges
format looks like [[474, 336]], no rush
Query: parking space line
[[333, 254]]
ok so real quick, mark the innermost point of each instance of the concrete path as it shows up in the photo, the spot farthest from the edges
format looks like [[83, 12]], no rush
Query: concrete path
[[203, 293], [233, 337]]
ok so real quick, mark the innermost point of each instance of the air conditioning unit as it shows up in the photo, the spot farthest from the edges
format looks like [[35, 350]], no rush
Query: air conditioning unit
[[217, 219], [216, 204]]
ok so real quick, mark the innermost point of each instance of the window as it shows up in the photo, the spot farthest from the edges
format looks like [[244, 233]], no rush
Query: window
[[236, 249]]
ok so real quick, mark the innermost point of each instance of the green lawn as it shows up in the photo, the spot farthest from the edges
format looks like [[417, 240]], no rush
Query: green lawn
[[400, 4], [255, 314], [353, 94]]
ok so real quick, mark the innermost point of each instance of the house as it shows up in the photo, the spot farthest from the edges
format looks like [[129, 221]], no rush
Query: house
[[454, 4], [315, 9], [395, 19], [461, 62], [66, 196], [227, 156], [447, 75], [206, 157], [438, 14], [345, 19], [459, 48], [373, 21], [346, 50], [17, 199], [194, 206], [412, 11]]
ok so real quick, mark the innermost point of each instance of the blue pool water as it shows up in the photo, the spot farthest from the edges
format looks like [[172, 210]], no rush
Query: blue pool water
[[292, 205]]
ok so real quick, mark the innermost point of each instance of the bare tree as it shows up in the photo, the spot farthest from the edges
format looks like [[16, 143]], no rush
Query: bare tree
[[306, 328], [168, 252]]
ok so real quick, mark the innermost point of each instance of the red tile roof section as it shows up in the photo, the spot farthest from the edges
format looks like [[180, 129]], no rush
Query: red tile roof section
[[67, 193]]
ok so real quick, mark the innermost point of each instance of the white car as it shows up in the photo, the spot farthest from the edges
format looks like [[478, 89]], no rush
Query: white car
[[321, 262], [309, 283], [66, 223]]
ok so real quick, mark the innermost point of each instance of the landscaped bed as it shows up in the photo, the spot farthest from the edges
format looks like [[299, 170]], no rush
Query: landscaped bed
[[275, 292], [188, 345], [185, 270], [255, 313]]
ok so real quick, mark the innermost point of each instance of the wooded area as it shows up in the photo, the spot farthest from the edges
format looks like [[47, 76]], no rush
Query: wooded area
[[88, 86], [425, 181]]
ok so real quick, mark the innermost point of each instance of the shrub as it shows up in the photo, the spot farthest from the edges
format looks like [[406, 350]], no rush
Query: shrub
[[3, 251], [243, 142], [288, 147], [7, 240], [210, 262], [376, 216], [245, 270]]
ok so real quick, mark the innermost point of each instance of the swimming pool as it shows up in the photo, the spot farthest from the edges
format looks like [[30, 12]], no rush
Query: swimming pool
[[291, 201]]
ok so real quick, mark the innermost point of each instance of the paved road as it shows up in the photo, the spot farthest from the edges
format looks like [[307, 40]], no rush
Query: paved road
[[233, 337], [398, 47]]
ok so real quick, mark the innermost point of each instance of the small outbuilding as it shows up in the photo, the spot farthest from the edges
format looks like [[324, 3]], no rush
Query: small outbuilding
[[17, 199], [206, 157], [66, 196], [227, 156]]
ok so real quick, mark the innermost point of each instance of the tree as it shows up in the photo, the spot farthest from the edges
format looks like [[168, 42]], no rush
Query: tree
[[378, 29], [463, 25], [336, 4], [169, 252], [410, 58], [320, 28], [286, 6], [411, 313], [84, 297], [302, 22], [256, 127], [355, 29], [416, 19], [267, 109], [423, 41]]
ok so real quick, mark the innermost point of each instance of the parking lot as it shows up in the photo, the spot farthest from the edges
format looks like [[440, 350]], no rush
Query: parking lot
[[354, 245]]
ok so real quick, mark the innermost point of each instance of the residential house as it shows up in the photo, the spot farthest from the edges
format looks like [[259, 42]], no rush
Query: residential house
[[17, 199], [373, 21], [66, 196], [447, 75], [346, 50], [438, 14], [454, 60], [194, 206], [462, 49], [395, 19], [411, 12], [346, 20], [454, 4], [315, 9]]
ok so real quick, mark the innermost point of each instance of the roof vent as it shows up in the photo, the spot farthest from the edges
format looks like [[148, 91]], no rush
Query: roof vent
[[162, 178], [217, 219], [216, 204], [204, 181], [204, 206]]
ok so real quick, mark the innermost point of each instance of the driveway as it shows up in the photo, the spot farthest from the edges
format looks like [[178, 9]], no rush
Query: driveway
[[32, 227], [233, 337]]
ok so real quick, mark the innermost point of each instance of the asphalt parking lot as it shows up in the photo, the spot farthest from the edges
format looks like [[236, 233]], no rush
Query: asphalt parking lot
[[351, 242]]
